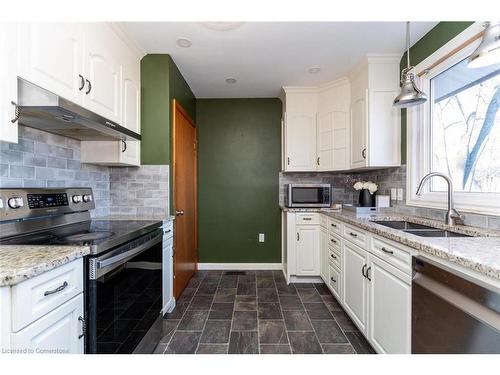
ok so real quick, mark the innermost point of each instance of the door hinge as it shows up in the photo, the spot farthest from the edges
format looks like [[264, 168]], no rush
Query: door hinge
[[288, 160]]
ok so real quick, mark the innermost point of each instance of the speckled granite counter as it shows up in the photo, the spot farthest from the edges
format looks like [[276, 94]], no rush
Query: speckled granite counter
[[480, 253], [19, 263]]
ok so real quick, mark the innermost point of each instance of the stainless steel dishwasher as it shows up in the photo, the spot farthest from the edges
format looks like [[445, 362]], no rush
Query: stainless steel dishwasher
[[450, 313]]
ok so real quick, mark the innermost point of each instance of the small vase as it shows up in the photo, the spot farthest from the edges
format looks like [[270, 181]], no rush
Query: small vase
[[366, 199]]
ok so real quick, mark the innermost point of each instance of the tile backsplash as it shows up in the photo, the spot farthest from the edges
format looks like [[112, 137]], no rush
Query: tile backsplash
[[44, 160]]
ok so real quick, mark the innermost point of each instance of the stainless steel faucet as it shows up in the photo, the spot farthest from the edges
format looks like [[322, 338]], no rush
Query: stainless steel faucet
[[452, 216]]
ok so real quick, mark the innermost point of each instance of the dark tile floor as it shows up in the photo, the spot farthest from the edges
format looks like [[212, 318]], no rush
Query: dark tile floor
[[255, 312]]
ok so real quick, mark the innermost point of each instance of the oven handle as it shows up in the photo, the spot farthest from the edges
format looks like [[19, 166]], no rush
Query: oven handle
[[128, 254]]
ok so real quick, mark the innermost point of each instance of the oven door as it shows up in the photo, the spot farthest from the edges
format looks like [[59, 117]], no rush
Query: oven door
[[123, 294]]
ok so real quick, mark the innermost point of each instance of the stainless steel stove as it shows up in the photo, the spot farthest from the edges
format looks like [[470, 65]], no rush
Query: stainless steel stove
[[123, 273]]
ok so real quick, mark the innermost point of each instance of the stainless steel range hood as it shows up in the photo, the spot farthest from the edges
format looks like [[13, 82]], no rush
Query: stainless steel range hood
[[41, 109]]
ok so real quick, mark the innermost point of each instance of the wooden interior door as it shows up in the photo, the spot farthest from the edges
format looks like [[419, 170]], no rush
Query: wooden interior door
[[185, 198]]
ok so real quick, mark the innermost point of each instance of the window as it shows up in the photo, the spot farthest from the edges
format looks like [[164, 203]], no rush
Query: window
[[457, 131]]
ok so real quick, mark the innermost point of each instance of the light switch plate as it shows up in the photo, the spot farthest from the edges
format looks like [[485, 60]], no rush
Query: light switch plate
[[400, 194], [394, 195], [261, 237]]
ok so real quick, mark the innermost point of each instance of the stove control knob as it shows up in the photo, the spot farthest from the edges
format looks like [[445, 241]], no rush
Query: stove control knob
[[87, 198], [76, 198], [15, 202]]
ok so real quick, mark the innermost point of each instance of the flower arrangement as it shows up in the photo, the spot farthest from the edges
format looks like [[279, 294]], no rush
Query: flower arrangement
[[372, 187]]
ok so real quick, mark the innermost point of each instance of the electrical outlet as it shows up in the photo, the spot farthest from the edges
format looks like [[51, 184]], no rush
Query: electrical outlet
[[394, 194], [261, 237], [400, 194]]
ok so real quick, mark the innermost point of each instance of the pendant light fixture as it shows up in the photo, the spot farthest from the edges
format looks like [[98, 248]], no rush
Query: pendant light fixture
[[488, 51], [410, 94]]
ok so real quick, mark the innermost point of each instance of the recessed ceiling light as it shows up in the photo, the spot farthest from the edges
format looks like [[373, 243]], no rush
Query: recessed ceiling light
[[230, 80], [184, 42], [314, 70], [222, 26]]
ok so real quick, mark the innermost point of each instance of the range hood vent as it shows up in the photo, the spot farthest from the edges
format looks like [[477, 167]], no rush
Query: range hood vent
[[41, 109]]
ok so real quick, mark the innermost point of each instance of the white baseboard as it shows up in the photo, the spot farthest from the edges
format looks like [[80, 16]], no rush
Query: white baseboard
[[306, 279], [239, 266]]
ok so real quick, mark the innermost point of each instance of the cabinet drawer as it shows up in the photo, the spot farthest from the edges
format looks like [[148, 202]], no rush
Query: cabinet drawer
[[334, 281], [36, 297], [306, 218], [334, 256], [356, 236], [334, 225], [323, 220], [392, 253], [334, 241]]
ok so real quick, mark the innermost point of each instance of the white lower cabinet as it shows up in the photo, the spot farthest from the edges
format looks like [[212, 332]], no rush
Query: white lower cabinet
[[323, 246], [389, 308], [354, 262], [60, 331], [307, 250]]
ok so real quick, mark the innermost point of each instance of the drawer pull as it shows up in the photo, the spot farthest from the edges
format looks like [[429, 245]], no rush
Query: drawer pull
[[333, 256], [368, 273], [168, 231], [363, 270], [306, 219], [387, 251], [332, 240], [333, 225], [331, 278], [56, 290], [353, 234], [84, 327]]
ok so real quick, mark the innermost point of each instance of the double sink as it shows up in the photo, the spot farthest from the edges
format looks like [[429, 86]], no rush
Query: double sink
[[419, 229]]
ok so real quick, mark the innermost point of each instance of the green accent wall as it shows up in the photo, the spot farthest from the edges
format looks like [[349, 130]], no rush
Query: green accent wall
[[438, 36], [239, 158], [161, 81]]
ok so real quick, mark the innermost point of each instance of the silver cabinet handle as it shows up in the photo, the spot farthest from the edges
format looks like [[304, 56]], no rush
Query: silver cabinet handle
[[368, 273], [82, 82], [84, 327], [387, 251], [56, 290], [89, 88], [353, 234], [331, 278], [16, 112], [363, 270]]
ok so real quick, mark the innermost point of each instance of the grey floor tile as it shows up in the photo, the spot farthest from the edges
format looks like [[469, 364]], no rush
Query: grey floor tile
[[225, 295], [264, 274], [285, 290], [246, 278], [201, 303], [194, 283], [279, 277], [359, 343], [297, 321], [304, 343], [269, 310], [228, 282], [243, 343], [317, 311], [168, 328], [272, 332], [212, 349], [244, 321], [183, 342], [246, 289], [304, 285], [291, 303], [222, 311], [160, 348], [344, 321], [267, 295], [309, 295], [265, 282], [275, 349], [245, 303], [338, 349], [207, 289], [216, 332], [329, 332], [193, 320], [322, 289], [178, 312]]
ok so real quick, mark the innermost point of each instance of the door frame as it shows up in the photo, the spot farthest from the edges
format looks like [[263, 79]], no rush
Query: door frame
[[177, 107]]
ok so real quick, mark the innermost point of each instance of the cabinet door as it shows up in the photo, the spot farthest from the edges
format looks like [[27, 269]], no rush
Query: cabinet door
[[325, 142], [51, 57], [308, 250], [389, 308], [341, 144], [358, 133], [323, 246], [168, 274], [354, 283], [8, 82], [300, 133], [103, 71], [59, 330]]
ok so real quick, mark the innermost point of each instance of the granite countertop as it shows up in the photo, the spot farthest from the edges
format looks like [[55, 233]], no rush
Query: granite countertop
[[480, 253], [21, 262]]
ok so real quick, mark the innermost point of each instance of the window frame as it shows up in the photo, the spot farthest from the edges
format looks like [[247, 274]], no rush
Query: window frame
[[419, 147]]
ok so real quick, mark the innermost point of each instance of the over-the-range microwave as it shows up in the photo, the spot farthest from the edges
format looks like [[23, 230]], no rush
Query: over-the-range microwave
[[308, 195]]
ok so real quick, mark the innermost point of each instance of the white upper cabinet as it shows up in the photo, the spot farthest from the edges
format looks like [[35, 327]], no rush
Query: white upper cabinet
[[300, 141], [103, 71], [50, 56], [375, 124], [8, 82]]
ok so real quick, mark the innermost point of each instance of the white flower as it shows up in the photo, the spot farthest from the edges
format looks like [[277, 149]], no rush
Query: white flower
[[358, 185], [371, 186]]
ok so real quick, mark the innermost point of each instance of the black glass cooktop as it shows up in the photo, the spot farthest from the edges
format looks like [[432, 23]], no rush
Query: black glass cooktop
[[99, 234]]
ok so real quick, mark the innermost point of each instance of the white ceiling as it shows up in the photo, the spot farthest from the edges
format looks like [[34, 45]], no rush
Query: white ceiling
[[264, 56]]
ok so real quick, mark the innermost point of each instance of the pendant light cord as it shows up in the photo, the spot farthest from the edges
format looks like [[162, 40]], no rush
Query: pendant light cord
[[408, 45]]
